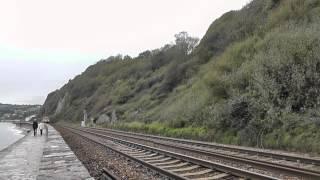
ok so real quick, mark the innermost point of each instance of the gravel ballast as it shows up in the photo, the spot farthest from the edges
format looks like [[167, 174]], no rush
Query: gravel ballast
[[96, 157]]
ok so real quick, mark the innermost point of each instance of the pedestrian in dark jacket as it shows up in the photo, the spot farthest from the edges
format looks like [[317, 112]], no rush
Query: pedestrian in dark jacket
[[35, 127]]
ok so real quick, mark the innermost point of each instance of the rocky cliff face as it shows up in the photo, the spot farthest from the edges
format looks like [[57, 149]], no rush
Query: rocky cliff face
[[62, 103]]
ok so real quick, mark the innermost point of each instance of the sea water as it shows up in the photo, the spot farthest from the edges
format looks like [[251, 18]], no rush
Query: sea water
[[9, 134]]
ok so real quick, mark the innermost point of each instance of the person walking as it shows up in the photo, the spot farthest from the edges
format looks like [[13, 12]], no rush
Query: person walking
[[41, 127], [35, 127]]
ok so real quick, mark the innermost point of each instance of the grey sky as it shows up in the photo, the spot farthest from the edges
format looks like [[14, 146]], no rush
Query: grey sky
[[44, 43]]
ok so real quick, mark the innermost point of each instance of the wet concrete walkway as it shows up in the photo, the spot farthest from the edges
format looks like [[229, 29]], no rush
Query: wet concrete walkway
[[39, 158]]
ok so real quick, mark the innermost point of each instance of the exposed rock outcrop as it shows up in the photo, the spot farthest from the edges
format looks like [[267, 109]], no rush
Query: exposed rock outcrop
[[61, 104], [103, 119]]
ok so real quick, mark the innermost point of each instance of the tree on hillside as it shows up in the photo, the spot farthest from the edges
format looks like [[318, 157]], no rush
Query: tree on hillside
[[185, 42]]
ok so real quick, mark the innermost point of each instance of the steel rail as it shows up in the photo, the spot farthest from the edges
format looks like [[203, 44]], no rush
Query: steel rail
[[107, 175], [209, 164], [307, 160], [155, 168], [290, 170]]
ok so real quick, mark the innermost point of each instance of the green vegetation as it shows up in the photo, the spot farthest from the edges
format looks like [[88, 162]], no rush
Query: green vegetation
[[162, 129], [16, 112], [252, 80]]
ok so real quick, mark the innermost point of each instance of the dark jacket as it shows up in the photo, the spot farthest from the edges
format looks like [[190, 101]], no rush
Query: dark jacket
[[35, 125]]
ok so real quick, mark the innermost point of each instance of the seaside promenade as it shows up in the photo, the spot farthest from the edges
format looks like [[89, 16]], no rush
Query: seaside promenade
[[41, 157]]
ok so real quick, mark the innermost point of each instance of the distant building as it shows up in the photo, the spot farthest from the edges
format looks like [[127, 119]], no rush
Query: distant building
[[46, 119], [7, 115]]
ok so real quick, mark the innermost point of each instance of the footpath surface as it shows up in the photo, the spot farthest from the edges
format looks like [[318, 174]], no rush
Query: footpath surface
[[41, 157]]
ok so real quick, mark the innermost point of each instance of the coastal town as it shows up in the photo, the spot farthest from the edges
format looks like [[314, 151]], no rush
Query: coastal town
[[19, 112]]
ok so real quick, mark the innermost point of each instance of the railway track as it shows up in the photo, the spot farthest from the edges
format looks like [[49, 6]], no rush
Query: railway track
[[107, 175], [307, 160], [265, 160], [170, 164]]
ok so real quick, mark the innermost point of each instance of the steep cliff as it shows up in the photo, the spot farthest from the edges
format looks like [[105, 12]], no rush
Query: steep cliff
[[253, 79]]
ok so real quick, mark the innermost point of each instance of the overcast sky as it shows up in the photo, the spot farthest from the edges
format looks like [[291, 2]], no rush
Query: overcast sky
[[44, 43]]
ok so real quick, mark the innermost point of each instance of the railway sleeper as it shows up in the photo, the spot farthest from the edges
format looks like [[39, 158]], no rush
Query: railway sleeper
[[153, 158], [174, 166], [214, 177], [146, 156], [185, 169], [159, 160], [166, 163], [197, 173]]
